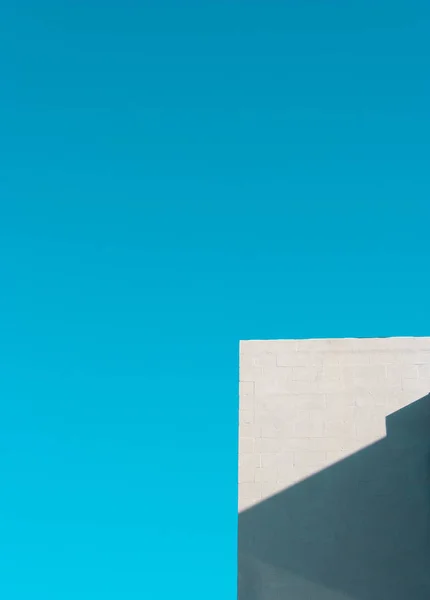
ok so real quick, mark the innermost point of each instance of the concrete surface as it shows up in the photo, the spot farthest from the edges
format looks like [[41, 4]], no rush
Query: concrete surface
[[331, 506]]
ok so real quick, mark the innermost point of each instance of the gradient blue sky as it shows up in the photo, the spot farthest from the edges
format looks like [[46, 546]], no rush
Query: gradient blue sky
[[175, 176]]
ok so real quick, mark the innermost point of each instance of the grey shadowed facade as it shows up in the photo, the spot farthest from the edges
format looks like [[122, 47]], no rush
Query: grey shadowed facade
[[334, 469]]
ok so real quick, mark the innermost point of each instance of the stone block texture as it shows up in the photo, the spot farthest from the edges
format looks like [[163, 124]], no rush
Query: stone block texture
[[306, 404]]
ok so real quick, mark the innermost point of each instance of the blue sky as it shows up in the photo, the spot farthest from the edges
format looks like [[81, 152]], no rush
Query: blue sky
[[175, 176]]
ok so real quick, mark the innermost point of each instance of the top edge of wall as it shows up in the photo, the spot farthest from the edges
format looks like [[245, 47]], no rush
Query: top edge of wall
[[386, 337], [403, 343]]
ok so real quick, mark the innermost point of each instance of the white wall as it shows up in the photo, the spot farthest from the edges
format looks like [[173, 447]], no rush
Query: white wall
[[334, 469], [305, 404]]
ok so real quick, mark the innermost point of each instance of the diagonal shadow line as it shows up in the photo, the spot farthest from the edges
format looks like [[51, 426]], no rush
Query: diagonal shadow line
[[359, 529]]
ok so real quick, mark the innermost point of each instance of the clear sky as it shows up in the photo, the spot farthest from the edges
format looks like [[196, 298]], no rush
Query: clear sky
[[175, 176]]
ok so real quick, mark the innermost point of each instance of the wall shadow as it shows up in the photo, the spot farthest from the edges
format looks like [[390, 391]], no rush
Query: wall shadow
[[357, 530]]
